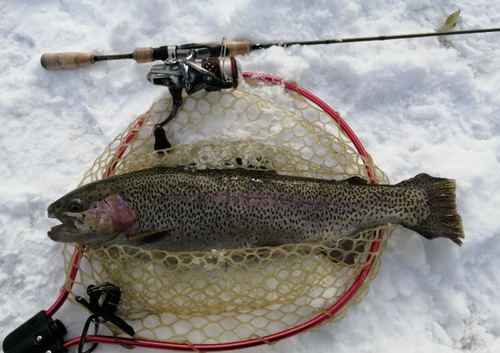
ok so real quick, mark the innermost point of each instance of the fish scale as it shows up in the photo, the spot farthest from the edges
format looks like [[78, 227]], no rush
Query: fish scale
[[182, 209]]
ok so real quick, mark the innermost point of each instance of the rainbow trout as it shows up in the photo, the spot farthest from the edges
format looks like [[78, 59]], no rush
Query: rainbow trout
[[181, 209]]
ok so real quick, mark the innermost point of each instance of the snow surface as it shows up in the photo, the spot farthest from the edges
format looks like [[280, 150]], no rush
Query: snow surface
[[417, 105]]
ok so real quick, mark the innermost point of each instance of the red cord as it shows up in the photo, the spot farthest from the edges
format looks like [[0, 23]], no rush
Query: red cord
[[123, 147], [64, 294]]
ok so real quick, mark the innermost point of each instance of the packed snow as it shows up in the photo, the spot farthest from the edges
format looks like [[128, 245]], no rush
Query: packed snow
[[417, 105]]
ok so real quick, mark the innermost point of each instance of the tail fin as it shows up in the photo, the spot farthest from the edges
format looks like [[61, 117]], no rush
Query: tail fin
[[443, 220]]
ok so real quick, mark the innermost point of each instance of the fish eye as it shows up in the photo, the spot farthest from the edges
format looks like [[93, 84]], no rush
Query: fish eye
[[75, 205]]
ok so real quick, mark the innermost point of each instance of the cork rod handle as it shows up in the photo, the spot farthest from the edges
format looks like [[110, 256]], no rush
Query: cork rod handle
[[234, 47], [72, 60], [66, 61]]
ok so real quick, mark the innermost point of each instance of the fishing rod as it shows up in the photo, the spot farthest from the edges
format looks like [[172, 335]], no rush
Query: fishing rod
[[72, 60], [196, 66]]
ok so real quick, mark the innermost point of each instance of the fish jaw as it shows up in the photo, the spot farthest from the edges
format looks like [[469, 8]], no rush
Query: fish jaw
[[102, 222], [72, 230]]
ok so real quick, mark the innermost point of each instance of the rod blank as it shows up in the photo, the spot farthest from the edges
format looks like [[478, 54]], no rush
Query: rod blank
[[370, 39]]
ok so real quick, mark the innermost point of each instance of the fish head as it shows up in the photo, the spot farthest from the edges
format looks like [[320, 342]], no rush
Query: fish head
[[92, 215]]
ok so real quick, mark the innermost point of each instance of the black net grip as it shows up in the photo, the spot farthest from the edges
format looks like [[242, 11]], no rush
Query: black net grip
[[39, 334]]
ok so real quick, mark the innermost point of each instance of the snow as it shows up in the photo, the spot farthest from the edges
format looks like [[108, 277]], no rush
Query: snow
[[417, 105]]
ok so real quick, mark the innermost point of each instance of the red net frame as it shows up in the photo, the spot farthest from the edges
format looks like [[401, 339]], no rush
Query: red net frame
[[270, 339]]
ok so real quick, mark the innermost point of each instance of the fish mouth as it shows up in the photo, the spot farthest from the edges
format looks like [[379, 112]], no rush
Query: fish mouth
[[71, 228], [69, 223], [74, 230]]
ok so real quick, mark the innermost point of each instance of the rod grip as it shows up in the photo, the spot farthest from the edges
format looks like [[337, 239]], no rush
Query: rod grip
[[143, 54], [66, 61], [238, 47], [234, 47]]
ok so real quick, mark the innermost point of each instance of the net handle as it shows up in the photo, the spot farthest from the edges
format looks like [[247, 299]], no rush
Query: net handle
[[274, 338]]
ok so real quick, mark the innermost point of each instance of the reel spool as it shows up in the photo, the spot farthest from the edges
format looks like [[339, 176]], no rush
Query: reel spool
[[210, 74], [224, 300]]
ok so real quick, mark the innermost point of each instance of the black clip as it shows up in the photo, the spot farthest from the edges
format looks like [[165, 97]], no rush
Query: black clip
[[40, 334], [107, 310]]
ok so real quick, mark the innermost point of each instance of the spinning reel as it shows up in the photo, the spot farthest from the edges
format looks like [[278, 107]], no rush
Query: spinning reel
[[192, 70]]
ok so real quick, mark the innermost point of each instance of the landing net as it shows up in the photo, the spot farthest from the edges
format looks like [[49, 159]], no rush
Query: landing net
[[225, 296]]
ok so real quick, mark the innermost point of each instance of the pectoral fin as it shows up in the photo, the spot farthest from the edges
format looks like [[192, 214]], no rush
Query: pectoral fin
[[151, 236]]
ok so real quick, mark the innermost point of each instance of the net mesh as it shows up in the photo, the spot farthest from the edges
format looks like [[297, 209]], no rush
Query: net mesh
[[225, 296]]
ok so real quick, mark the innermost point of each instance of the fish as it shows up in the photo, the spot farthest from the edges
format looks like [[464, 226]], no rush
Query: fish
[[181, 209]]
